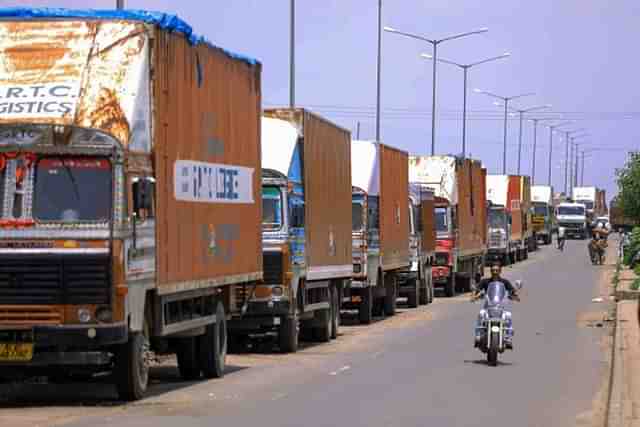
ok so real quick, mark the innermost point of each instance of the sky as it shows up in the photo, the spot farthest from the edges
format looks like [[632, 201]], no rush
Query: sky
[[577, 55]]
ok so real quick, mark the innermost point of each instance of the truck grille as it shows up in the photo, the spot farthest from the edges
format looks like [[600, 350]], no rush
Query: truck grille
[[272, 268], [55, 279], [495, 240], [28, 314]]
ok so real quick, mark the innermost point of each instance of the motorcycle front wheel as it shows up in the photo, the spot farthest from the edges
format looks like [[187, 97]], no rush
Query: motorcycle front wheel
[[492, 353]]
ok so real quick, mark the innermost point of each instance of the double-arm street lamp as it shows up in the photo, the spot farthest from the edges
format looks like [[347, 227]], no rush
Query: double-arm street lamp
[[435, 44], [521, 113], [551, 129], [535, 146], [505, 101], [465, 68]]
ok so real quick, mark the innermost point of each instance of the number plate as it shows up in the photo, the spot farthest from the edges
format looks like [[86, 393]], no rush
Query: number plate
[[16, 352]]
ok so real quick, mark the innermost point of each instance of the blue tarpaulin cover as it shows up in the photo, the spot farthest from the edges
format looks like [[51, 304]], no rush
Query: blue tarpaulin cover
[[163, 20]]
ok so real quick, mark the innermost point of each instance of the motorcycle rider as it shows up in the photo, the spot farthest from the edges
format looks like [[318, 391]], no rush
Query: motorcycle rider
[[561, 238], [598, 243], [496, 270]]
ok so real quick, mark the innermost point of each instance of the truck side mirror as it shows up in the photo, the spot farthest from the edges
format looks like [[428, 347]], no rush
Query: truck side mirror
[[142, 195]]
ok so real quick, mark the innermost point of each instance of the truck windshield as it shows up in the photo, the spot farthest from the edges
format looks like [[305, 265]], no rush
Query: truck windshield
[[570, 210], [588, 203], [540, 209], [72, 189], [442, 221], [271, 208], [357, 211], [496, 219]]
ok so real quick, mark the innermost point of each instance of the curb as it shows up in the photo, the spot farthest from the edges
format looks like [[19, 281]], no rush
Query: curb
[[614, 409]]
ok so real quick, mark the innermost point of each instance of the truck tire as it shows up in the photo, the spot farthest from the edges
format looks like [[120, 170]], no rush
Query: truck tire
[[424, 292], [431, 290], [188, 358], [391, 295], [450, 286], [414, 295], [323, 333], [131, 368], [336, 299], [365, 309], [213, 346], [288, 334]]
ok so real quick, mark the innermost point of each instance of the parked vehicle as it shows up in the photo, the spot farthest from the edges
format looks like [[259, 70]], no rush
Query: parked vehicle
[[573, 217], [306, 223], [500, 245], [618, 220], [543, 220], [510, 233], [130, 198], [416, 283], [594, 200], [460, 215], [380, 228]]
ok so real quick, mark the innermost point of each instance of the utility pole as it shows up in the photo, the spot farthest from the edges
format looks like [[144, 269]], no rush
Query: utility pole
[[358, 131], [119, 4]]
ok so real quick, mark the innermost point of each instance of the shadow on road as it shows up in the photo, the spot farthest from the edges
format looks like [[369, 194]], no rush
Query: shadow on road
[[95, 392], [483, 362]]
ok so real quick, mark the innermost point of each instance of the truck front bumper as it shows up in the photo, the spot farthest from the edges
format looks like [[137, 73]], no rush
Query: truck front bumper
[[260, 316], [496, 254]]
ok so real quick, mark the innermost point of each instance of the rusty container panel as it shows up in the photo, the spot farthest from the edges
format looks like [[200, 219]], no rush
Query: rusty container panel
[[394, 214], [327, 174], [206, 108], [471, 208], [327, 186], [483, 219], [525, 206], [514, 207], [427, 211], [86, 73]]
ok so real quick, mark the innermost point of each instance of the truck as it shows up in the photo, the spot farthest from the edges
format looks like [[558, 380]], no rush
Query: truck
[[510, 231], [306, 231], [416, 282], [459, 185], [594, 200], [501, 247], [618, 220], [543, 213], [573, 218], [380, 228], [129, 154]]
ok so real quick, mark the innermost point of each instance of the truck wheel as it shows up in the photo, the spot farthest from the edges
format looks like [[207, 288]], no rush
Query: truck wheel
[[391, 295], [414, 295], [424, 292], [336, 298], [323, 333], [288, 334], [213, 346], [132, 369], [450, 286], [188, 358], [365, 309]]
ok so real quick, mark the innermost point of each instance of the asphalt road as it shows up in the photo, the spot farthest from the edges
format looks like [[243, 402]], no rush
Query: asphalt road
[[418, 368]]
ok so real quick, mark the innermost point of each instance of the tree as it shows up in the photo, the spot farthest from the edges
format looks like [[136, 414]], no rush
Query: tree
[[629, 186]]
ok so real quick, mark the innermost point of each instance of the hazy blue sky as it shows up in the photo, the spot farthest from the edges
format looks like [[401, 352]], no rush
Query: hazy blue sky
[[579, 55]]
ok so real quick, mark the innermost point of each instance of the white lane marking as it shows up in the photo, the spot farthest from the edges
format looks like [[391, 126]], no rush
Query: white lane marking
[[343, 369]]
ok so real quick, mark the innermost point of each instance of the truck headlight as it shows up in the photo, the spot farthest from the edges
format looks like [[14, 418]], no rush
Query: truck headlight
[[84, 315]]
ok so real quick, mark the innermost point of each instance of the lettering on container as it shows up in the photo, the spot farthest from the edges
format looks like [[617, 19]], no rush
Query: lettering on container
[[212, 183], [51, 100]]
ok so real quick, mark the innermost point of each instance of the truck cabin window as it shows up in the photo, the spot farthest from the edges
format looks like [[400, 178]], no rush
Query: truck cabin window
[[70, 189], [539, 209], [442, 221], [357, 212], [588, 203], [571, 210], [496, 219], [271, 208]]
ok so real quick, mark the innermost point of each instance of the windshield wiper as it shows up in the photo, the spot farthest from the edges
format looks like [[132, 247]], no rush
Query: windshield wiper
[[71, 177]]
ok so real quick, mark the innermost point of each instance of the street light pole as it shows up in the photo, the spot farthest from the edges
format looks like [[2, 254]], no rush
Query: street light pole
[[522, 113], [292, 55], [434, 43], [119, 4], [378, 76], [505, 100], [551, 129], [465, 68]]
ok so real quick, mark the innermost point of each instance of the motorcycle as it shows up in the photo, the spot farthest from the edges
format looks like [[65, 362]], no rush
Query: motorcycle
[[494, 321]]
